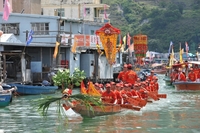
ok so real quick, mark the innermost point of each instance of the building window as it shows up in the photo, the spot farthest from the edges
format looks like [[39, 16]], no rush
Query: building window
[[87, 10], [92, 32], [59, 12], [10, 28], [40, 28]]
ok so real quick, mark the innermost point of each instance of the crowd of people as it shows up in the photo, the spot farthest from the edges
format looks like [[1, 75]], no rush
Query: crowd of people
[[128, 85], [191, 74]]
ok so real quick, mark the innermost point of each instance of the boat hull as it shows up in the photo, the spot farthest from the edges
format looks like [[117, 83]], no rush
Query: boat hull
[[96, 110], [5, 99], [34, 89], [187, 86]]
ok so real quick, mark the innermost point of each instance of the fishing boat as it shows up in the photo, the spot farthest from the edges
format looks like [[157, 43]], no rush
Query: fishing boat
[[6, 96], [5, 99], [97, 110], [34, 89], [187, 86]]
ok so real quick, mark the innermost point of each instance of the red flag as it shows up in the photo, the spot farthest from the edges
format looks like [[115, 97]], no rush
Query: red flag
[[6, 10], [83, 89], [105, 14], [128, 40], [121, 40]]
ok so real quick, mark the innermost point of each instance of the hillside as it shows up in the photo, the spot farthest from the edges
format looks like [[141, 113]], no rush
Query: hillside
[[161, 20]]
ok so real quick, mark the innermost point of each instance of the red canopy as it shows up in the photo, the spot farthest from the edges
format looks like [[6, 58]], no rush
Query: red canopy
[[108, 29]]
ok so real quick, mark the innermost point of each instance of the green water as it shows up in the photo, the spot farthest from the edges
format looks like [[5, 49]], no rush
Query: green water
[[179, 113]]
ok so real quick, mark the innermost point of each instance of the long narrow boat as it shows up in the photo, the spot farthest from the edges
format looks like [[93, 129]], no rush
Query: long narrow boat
[[97, 110], [5, 99], [34, 89], [187, 86]]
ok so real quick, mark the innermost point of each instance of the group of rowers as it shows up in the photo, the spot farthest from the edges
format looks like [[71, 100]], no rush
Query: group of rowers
[[125, 91], [193, 74], [127, 86]]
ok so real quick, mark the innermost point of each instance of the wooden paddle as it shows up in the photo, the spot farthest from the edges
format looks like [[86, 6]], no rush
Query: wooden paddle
[[133, 101], [130, 106], [162, 95], [153, 96]]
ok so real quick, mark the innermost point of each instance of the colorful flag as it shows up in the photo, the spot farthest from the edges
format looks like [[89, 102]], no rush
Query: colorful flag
[[92, 91], [30, 37], [73, 49], [180, 54], [6, 10], [83, 89], [124, 42], [171, 57], [56, 50], [105, 14], [128, 40], [186, 48], [170, 47]]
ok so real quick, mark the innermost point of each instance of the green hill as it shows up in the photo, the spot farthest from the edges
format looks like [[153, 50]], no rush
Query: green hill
[[161, 20]]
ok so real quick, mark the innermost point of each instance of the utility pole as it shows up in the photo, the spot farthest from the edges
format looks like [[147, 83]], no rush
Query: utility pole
[[58, 38]]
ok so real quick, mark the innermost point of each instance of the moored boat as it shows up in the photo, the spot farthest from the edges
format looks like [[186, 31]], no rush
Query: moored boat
[[6, 96], [34, 89], [5, 99], [97, 110], [187, 86]]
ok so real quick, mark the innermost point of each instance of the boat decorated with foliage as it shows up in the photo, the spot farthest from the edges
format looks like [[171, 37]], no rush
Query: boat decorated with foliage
[[106, 109]]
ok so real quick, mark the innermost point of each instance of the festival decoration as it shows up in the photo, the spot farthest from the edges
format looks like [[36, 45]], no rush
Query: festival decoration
[[108, 36], [140, 47]]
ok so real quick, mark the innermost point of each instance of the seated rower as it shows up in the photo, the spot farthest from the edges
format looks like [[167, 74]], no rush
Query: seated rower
[[108, 96], [192, 76], [180, 76], [198, 76], [117, 92]]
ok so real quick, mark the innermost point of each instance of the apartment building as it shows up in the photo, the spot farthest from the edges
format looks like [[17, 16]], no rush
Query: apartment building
[[89, 10], [23, 6]]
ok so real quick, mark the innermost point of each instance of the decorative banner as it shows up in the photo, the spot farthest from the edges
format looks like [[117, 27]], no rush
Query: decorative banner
[[73, 49], [108, 36], [82, 40], [140, 45], [56, 50]]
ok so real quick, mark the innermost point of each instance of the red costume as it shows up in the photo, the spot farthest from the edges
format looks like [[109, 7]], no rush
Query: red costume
[[192, 76], [108, 97], [181, 76], [131, 77]]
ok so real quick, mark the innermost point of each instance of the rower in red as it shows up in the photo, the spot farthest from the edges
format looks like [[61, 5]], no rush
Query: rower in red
[[108, 96]]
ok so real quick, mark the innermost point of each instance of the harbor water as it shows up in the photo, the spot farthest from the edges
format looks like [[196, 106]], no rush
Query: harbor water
[[178, 113]]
